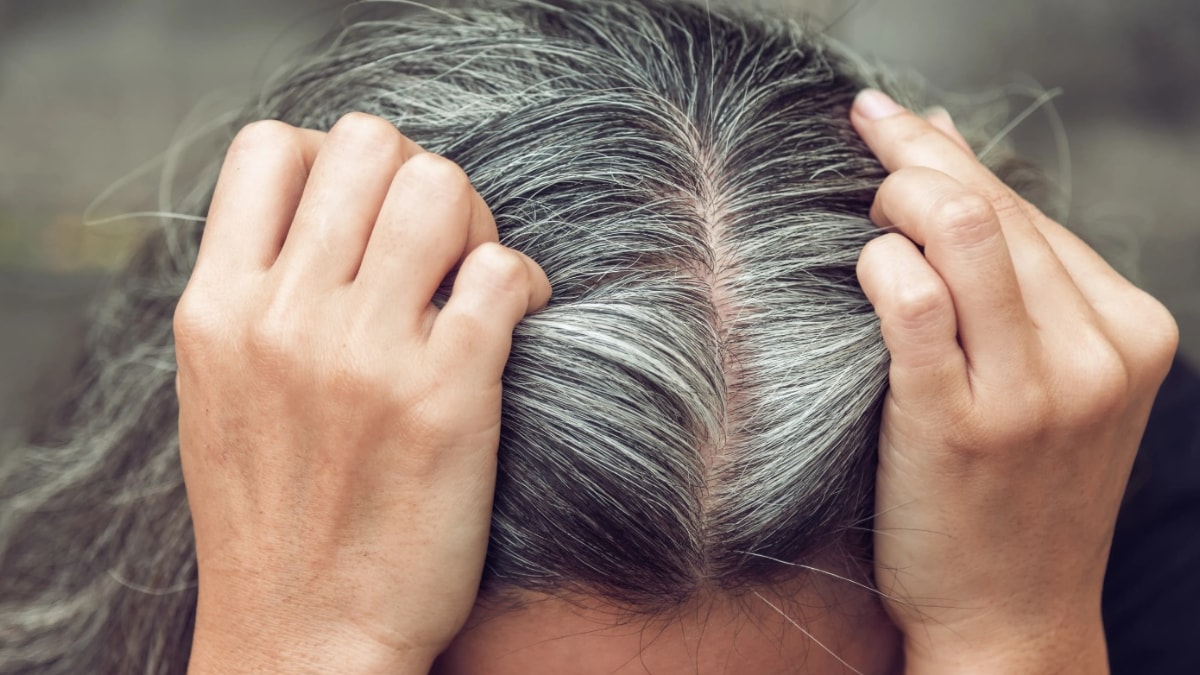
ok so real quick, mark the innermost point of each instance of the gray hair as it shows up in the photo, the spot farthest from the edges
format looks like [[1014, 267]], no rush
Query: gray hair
[[696, 409]]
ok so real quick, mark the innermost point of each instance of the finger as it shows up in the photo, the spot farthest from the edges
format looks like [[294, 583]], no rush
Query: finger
[[495, 288], [901, 139], [1065, 281], [913, 199], [430, 220], [1092, 275], [917, 318], [1134, 321], [256, 196], [341, 202], [1104, 290], [965, 245], [1096, 279], [941, 120]]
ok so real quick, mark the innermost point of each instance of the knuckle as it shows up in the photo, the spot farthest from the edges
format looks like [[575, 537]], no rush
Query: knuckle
[[272, 334], [439, 175], [502, 265], [964, 218], [366, 130], [1108, 382], [1004, 202], [1161, 351], [499, 270], [916, 303], [1159, 338], [262, 134], [194, 322], [1096, 384]]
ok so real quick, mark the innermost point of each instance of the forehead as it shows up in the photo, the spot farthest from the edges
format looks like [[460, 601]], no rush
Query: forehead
[[760, 632]]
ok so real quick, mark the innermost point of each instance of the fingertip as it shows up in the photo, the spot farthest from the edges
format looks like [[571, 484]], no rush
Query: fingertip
[[900, 138], [873, 105], [540, 290]]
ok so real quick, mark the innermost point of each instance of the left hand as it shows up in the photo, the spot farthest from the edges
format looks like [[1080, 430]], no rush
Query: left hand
[[1023, 372]]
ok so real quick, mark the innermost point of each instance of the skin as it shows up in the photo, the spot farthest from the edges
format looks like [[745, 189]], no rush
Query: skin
[[1023, 371], [338, 432], [810, 624]]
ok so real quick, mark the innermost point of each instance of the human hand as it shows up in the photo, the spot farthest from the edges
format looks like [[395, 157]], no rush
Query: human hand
[[1023, 372], [338, 431]]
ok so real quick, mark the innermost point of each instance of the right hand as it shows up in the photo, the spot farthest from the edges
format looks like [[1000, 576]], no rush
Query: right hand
[[338, 431], [1023, 372]]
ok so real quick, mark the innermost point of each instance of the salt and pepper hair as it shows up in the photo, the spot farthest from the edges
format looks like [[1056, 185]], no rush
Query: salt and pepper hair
[[696, 409]]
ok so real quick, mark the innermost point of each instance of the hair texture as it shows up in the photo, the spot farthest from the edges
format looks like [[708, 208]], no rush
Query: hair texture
[[696, 409]]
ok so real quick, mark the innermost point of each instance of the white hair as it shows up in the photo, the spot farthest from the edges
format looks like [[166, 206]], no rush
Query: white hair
[[697, 408]]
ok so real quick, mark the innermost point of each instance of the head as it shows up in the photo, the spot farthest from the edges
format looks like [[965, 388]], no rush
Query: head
[[687, 457]]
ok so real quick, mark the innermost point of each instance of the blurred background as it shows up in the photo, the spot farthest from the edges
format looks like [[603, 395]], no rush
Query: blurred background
[[93, 90]]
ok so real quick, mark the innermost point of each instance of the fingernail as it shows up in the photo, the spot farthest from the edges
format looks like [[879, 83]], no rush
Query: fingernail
[[876, 105]]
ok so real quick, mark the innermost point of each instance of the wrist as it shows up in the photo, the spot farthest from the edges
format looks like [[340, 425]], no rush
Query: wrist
[[1077, 648], [254, 642]]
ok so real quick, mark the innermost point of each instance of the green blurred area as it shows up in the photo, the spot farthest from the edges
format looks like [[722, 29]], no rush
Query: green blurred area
[[61, 243], [93, 92]]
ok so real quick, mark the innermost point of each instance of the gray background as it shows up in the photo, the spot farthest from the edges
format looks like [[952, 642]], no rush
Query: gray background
[[92, 90]]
